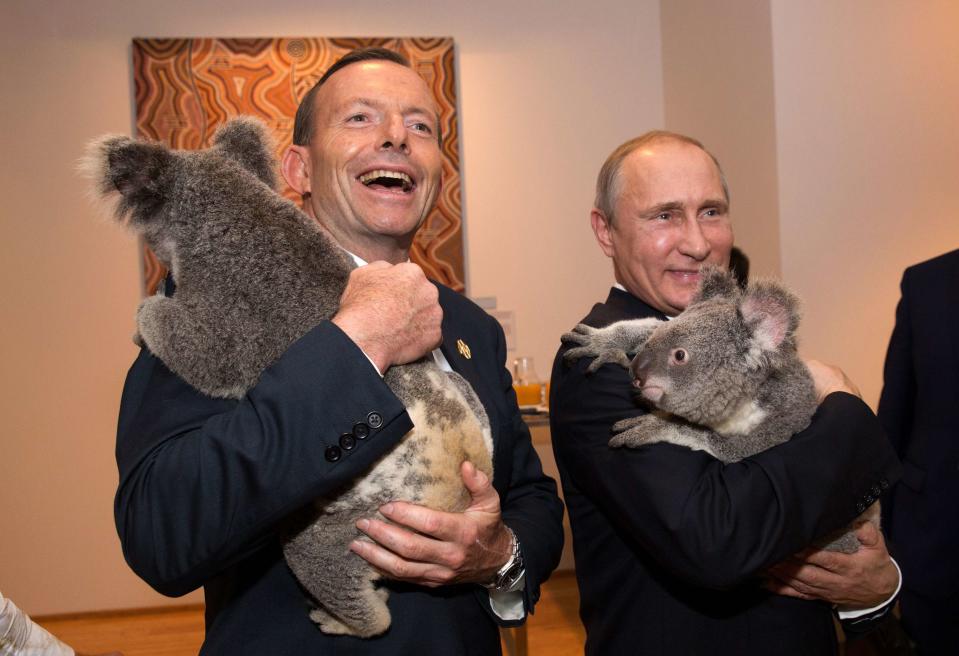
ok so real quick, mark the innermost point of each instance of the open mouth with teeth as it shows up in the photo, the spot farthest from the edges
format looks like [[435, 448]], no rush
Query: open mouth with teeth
[[388, 180]]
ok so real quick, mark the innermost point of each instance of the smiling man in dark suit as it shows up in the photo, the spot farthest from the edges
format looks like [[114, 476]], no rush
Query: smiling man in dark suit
[[671, 545], [367, 162], [918, 410]]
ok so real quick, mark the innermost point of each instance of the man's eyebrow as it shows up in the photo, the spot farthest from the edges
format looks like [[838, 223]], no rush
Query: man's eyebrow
[[668, 206], [352, 102], [718, 203], [378, 104]]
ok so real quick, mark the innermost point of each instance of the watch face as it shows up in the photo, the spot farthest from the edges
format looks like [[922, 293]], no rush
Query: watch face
[[512, 575]]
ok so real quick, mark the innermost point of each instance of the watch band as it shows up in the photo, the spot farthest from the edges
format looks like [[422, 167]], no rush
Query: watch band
[[512, 569]]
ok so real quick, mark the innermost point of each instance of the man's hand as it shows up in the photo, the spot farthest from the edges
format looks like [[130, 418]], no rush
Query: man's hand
[[828, 379], [392, 312], [856, 581], [434, 548]]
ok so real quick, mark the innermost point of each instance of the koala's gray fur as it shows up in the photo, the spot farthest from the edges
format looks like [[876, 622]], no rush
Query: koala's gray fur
[[253, 274], [724, 376]]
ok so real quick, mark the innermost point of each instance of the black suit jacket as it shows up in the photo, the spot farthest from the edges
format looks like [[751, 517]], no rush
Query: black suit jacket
[[917, 408], [205, 484], [668, 541]]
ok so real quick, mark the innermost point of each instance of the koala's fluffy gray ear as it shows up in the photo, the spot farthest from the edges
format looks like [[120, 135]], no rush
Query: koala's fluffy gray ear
[[772, 314], [247, 140], [138, 170], [715, 282]]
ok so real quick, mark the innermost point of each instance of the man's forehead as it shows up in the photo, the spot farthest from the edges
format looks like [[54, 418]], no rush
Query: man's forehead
[[670, 161], [375, 83], [669, 173]]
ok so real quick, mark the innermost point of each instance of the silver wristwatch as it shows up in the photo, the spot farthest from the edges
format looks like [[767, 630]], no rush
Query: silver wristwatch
[[512, 569]]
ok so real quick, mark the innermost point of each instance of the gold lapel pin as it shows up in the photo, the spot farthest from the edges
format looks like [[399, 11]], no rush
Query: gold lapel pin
[[463, 349]]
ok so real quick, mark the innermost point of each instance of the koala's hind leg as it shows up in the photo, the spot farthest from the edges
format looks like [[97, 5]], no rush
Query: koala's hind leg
[[332, 625], [187, 340], [167, 329], [342, 584]]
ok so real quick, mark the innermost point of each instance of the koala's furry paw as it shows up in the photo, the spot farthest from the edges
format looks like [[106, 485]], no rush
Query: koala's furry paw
[[637, 431], [616, 343], [626, 424]]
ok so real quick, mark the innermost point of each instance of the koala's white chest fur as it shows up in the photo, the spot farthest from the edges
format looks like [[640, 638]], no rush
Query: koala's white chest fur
[[743, 420]]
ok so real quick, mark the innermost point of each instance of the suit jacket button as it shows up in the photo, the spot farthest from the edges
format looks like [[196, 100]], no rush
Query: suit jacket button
[[347, 441], [361, 431], [374, 419], [333, 453]]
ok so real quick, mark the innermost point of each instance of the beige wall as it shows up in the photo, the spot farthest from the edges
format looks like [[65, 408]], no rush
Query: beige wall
[[546, 90], [867, 95], [718, 87]]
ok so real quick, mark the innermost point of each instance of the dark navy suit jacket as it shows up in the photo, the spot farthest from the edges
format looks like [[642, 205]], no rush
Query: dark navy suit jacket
[[205, 484], [919, 408], [668, 541]]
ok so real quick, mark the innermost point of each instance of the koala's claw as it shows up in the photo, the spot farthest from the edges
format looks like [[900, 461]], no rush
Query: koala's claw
[[615, 343], [633, 437], [637, 431], [626, 424], [591, 344], [581, 335]]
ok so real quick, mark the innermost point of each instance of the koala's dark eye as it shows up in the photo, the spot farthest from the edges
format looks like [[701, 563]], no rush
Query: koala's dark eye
[[680, 356]]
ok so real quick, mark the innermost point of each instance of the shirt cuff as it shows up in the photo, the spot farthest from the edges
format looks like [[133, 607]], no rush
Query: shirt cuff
[[371, 362], [853, 614], [508, 604]]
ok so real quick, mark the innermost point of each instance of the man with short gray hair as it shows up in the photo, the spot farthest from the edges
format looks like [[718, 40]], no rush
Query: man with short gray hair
[[672, 545]]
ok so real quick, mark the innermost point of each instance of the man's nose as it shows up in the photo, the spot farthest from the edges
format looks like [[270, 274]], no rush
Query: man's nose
[[394, 134], [693, 242]]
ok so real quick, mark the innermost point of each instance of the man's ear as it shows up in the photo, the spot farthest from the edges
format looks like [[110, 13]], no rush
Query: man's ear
[[296, 169], [602, 230]]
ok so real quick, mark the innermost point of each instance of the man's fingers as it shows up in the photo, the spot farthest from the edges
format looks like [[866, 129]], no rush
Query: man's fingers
[[392, 566], [828, 379], [406, 544], [484, 495], [421, 519], [868, 534], [804, 577], [391, 312], [778, 587], [475, 480], [832, 561]]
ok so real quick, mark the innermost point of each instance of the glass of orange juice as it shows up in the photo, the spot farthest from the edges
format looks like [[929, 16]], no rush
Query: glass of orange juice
[[529, 389]]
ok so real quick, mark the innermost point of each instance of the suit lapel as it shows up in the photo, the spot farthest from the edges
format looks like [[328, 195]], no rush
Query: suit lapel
[[460, 356]]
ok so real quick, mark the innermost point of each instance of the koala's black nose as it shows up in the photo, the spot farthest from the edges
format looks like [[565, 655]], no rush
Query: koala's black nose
[[640, 367]]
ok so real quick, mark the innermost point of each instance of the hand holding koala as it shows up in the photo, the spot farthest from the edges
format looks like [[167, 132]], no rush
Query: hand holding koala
[[724, 376]]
